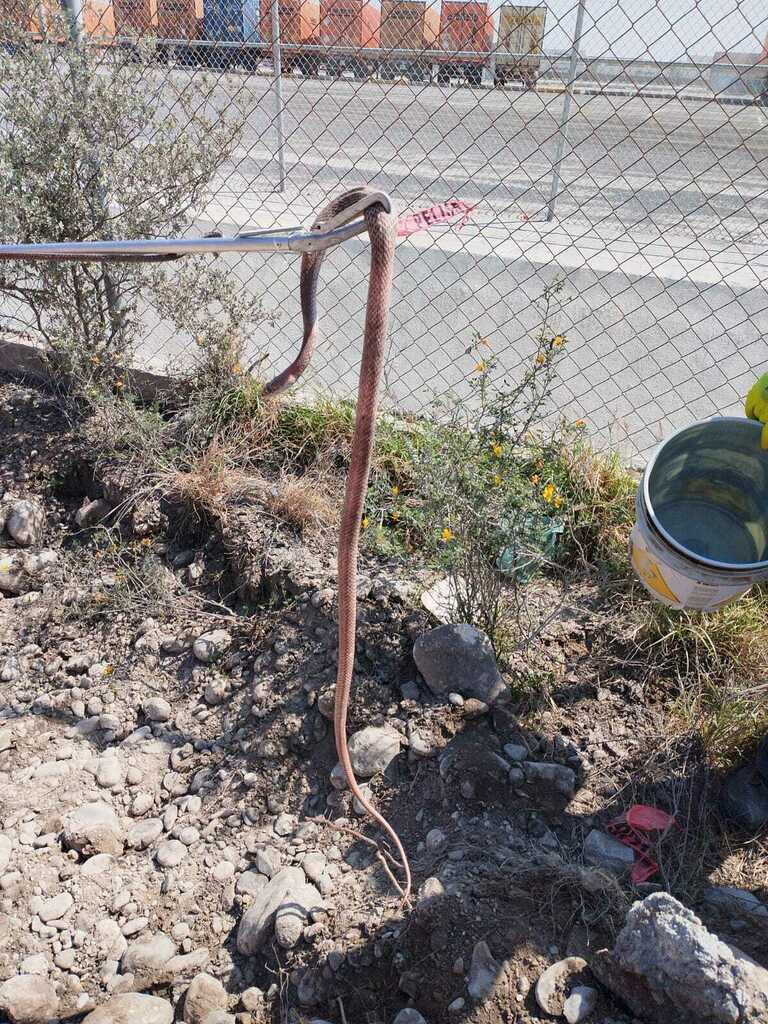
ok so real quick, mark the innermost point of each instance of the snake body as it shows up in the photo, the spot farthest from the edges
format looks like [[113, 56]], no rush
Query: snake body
[[382, 229]]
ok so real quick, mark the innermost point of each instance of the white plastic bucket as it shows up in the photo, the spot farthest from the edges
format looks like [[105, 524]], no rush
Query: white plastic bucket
[[701, 535]]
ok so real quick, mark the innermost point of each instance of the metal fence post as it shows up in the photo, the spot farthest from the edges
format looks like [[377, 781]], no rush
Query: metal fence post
[[566, 112], [278, 70]]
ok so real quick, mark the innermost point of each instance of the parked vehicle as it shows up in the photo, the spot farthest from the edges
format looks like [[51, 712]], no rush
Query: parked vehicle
[[347, 29], [519, 44], [410, 26], [466, 39], [299, 27]]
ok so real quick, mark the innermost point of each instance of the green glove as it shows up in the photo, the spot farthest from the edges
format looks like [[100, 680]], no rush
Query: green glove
[[756, 405]]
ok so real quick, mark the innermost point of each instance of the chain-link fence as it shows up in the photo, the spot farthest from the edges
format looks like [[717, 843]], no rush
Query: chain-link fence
[[620, 146]]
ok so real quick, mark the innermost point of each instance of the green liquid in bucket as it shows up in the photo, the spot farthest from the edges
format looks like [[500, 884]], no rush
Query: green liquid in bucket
[[710, 531]]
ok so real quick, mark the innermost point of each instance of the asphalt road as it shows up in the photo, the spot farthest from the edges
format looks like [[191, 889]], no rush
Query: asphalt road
[[696, 167]]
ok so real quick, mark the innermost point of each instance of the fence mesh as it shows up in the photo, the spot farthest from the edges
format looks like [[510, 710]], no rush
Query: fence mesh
[[621, 147]]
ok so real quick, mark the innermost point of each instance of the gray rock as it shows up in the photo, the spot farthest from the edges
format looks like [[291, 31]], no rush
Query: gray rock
[[21, 572], [5, 852], [256, 923], [735, 901], [314, 866], [92, 512], [603, 851], [110, 941], [580, 1003], [666, 966], [435, 839], [515, 751], [293, 914], [223, 870], [28, 999], [143, 833], [250, 883], [552, 986], [212, 645], [459, 659], [285, 825], [156, 709], [373, 748], [268, 861], [36, 964], [252, 999], [109, 771], [170, 853], [483, 973], [93, 828], [220, 1017], [54, 908], [188, 963], [132, 1008], [25, 523], [204, 994], [543, 775], [148, 954], [408, 1016]]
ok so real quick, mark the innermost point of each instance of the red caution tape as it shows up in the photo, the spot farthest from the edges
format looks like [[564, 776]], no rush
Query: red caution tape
[[410, 223]]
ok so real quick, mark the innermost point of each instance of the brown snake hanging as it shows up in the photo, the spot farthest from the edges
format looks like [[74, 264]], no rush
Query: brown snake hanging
[[382, 228]]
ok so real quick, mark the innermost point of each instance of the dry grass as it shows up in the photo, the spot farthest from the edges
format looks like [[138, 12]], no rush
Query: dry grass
[[306, 503]]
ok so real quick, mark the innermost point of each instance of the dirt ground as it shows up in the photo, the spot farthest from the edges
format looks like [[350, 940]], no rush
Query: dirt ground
[[242, 765]]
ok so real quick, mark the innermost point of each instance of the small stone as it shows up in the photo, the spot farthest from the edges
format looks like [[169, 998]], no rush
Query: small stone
[[436, 839], [252, 999], [188, 963], [189, 835], [284, 825], [579, 1004], [456, 1005], [109, 772], [552, 985], [483, 973], [25, 522], [603, 851], [170, 853], [28, 999], [223, 870], [156, 709], [408, 1016], [93, 828], [250, 883], [55, 908], [147, 954], [91, 512], [459, 659], [268, 861], [110, 941], [143, 833], [97, 865], [372, 749], [734, 901], [134, 926], [204, 994], [142, 803], [132, 1008], [542, 775], [256, 923], [5, 852], [314, 865], [37, 964], [515, 751], [293, 914], [212, 645]]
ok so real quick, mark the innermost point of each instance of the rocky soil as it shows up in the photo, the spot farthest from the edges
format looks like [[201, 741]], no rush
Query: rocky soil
[[176, 839]]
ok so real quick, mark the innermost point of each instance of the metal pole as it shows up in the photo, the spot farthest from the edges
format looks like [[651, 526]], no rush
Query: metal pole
[[76, 16], [562, 141], [278, 69]]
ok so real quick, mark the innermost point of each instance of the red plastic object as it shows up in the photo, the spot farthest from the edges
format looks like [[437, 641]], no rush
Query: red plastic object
[[632, 828]]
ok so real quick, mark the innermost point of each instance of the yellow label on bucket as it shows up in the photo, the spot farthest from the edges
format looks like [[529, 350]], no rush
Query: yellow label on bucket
[[651, 575]]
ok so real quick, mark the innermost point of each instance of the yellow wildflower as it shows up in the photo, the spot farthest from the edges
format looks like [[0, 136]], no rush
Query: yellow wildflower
[[535, 479], [108, 670], [365, 522], [395, 516], [95, 360], [447, 534], [541, 359], [497, 450], [549, 492], [497, 479], [145, 542], [237, 368], [395, 490], [480, 367], [580, 424], [558, 340], [558, 500], [120, 384]]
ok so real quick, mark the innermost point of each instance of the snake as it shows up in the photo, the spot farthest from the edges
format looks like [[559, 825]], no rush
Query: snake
[[381, 226]]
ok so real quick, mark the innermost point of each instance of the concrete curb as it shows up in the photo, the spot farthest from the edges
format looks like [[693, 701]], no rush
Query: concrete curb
[[23, 356]]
